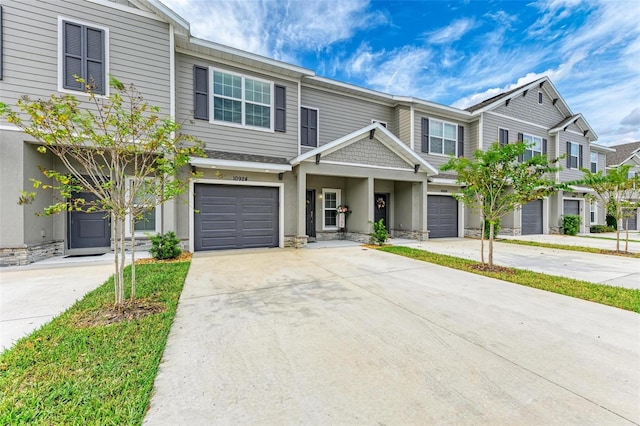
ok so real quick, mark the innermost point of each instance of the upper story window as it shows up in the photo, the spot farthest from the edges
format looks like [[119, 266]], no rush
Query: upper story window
[[308, 127], [83, 53], [574, 155], [503, 136], [442, 137], [593, 212], [594, 162], [242, 100], [540, 98], [534, 146]]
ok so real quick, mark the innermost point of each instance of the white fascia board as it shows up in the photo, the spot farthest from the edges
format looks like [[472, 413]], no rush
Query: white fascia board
[[447, 182], [602, 148], [251, 56], [459, 113], [248, 166], [348, 86], [168, 13], [580, 189]]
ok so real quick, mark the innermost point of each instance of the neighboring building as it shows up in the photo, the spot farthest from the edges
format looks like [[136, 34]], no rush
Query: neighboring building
[[627, 154], [285, 147]]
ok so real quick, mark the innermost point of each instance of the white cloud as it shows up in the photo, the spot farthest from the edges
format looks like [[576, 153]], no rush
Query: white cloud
[[452, 32]]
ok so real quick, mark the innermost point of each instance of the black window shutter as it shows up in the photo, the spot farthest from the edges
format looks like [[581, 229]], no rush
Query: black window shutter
[[72, 55], [460, 141], [544, 147], [200, 92], [313, 127], [281, 108], [94, 67], [425, 134], [580, 164], [568, 155], [520, 139], [304, 126], [83, 56]]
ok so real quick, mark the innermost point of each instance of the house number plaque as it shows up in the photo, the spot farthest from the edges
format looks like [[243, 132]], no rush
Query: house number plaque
[[241, 178]]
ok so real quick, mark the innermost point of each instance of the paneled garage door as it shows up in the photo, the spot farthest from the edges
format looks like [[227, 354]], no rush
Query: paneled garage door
[[571, 207], [532, 218], [633, 222], [442, 216], [230, 217]]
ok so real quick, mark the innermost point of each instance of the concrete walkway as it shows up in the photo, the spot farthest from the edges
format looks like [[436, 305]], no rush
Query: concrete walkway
[[605, 241], [356, 336], [32, 295], [592, 267]]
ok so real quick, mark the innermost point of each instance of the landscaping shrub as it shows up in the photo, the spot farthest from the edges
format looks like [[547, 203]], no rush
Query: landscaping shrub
[[165, 246], [380, 234], [571, 224], [596, 229], [612, 222], [487, 230]]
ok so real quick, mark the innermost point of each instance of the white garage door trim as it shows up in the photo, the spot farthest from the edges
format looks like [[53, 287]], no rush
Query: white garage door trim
[[192, 184]]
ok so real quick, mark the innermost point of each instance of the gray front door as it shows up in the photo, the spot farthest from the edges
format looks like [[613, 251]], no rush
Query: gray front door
[[311, 212], [572, 207], [231, 217], [532, 218], [88, 230], [442, 216]]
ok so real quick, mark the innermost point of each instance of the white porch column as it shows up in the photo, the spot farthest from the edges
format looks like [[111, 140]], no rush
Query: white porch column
[[371, 200], [301, 227]]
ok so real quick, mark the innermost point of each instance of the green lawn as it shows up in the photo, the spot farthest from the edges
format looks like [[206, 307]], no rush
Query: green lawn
[[67, 374], [619, 297], [572, 248]]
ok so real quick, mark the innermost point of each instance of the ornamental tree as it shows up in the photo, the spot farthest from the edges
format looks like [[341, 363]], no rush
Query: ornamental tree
[[618, 192], [495, 183], [117, 148]]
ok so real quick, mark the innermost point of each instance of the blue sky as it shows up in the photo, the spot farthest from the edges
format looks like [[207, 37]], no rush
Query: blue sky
[[453, 52]]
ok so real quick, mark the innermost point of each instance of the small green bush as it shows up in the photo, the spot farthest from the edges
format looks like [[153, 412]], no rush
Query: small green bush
[[487, 229], [612, 222], [165, 246], [596, 229], [571, 224], [380, 234]]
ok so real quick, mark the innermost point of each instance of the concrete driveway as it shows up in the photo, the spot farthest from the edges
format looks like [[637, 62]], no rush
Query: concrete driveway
[[356, 336]]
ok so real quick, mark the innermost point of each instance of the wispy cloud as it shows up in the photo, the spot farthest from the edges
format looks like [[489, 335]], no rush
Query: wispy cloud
[[452, 32]]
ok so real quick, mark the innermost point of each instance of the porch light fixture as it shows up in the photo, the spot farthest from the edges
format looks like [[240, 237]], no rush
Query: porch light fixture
[[318, 158], [415, 168], [371, 133], [280, 176], [507, 102]]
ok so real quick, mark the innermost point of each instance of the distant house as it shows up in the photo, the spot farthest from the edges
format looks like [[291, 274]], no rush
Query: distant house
[[285, 147], [627, 154]]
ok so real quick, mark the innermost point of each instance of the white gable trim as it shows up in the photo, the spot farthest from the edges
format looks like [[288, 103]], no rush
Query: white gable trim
[[382, 134]]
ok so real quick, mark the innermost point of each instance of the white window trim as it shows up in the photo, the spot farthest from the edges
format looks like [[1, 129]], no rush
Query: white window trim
[[569, 155], [338, 193], [592, 162], [593, 208], [127, 224], [212, 95], [384, 123], [61, 20], [534, 151], [441, 154], [317, 110]]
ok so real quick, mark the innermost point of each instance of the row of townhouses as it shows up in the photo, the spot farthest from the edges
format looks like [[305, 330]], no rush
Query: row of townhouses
[[285, 147]]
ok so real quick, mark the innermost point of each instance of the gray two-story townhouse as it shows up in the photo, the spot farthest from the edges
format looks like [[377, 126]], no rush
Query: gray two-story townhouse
[[44, 44], [627, 154], [287, 150], [536, 113]]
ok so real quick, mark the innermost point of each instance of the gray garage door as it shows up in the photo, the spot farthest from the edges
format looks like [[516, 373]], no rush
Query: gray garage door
[[442, 216], [571, 207], [231, 217], [532, 218], [633, 222]]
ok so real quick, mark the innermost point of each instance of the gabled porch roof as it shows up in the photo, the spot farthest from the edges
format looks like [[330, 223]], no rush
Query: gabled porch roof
[[374, 131]]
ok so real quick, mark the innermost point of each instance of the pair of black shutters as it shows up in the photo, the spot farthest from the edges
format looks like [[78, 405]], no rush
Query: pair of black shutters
[[201, 99], [503, 139], [425, 137], [580, 164], [84, 56]]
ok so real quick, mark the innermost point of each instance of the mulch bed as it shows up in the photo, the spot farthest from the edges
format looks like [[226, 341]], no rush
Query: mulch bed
[[108, 315], [494, 268], [185, 256]]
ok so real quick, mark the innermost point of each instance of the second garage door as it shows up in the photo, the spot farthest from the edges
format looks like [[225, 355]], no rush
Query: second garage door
[[532, 218], [442, 216], [230, 217]]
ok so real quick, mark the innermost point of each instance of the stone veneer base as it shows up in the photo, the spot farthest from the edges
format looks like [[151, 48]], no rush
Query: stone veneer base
[[29, 253]]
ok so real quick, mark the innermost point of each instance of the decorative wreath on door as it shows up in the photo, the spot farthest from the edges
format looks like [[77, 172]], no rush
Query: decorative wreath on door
[[380, 203]]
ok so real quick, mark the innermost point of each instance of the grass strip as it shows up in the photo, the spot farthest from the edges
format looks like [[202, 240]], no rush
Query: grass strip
[[610, 239], [619, 297], [571, 248], [66, 374]]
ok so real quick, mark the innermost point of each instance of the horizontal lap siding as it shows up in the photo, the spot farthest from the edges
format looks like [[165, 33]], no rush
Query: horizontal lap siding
[[492, 122], [340, 115], [528, 109], [434, 159], [573, 174], [138, 49], [234, 139], [403, 122]]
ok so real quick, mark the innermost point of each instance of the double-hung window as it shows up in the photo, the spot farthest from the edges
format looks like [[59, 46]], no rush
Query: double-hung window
[[330, 203], [594, 162], [534, 146], [503, 136], [443, 137], [83, 50], [573, 155], [593, 212], [241, 100], [145, 208], [308, 127]]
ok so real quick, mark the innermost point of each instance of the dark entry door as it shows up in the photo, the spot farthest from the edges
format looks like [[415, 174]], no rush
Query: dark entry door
[[88, 230], [311, 212], [381, 208]]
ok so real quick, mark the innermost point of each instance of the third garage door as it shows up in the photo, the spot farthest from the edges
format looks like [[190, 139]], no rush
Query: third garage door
[[442, 216], [532, 218], [230, 217]]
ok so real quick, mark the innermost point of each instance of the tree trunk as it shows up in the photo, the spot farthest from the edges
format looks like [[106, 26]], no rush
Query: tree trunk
[[626, 239], [490, 243], [482, 241], [133, 258], [116, 275], [618, 235]]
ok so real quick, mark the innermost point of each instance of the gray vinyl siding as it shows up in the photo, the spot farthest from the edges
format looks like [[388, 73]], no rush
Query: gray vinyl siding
[[567, 174], [492, 122], [527, 108], [471, 139], [138, 48], [403, 121], [221, 137], [341, 114], [437, 160]]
